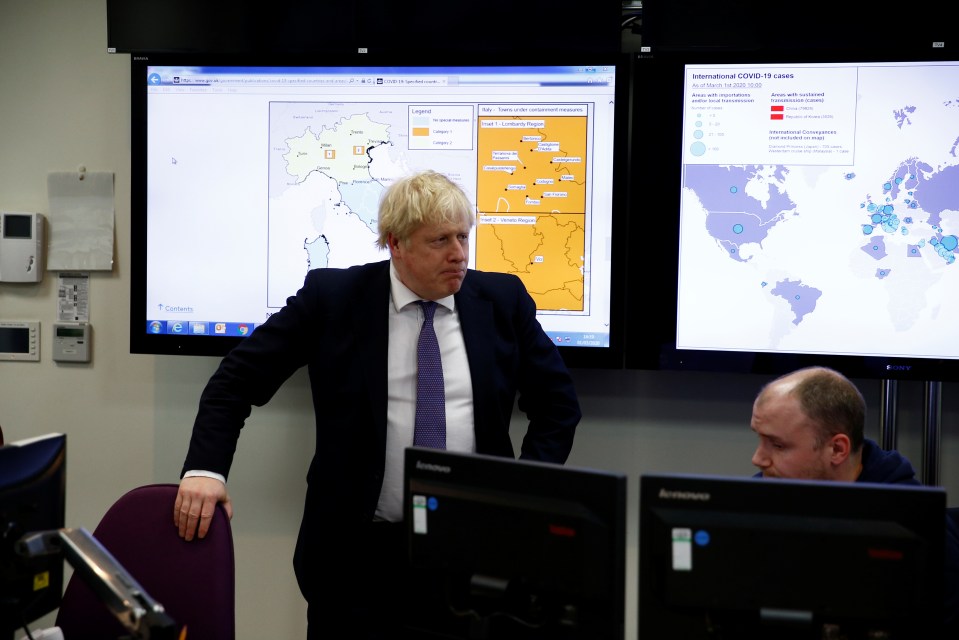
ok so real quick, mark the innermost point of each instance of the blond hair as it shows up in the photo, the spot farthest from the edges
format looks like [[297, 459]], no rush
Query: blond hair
[[423, 198]]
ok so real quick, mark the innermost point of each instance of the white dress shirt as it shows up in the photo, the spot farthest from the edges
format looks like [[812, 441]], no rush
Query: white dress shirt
[[406, 319]]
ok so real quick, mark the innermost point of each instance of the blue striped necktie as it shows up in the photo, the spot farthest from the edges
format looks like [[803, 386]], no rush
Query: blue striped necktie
[[430, 426]]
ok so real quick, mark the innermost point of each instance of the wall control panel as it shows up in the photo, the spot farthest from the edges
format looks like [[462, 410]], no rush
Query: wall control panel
[[71, 342], [21, 246], [19, 341]]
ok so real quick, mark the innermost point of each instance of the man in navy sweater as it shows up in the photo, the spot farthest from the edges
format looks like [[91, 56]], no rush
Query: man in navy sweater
[[810, 425]]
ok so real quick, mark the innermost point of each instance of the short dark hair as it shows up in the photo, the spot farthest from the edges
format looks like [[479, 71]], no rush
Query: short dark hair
[[832, 401]]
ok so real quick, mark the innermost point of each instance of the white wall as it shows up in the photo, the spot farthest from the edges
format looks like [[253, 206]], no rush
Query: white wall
[[64, 102]]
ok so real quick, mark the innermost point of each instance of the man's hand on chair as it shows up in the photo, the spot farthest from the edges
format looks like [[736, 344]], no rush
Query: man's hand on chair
[[196, 503]]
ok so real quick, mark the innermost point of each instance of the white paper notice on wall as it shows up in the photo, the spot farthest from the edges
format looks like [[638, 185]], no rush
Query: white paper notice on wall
[[80, 221]]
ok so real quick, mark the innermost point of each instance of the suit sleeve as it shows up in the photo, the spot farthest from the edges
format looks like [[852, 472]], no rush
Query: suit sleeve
[[249, 376], [546, 392]]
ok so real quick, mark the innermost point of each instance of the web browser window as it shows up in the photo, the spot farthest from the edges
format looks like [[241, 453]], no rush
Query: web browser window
[[256, 174]]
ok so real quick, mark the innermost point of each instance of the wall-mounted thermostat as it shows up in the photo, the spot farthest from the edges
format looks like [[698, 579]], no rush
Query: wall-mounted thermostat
[[20, 341], [71, 342]]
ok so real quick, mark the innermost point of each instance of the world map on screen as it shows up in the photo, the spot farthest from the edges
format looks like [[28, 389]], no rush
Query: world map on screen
[[847, 248]]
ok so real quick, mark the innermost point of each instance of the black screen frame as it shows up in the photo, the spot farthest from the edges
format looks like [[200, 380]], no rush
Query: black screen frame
[[655, 268], [434, 27], [559, 530], [747, 521], [32, 499], [142, 342]]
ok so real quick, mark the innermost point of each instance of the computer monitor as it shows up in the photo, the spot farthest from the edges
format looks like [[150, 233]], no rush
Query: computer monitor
[[32, 498], [804, 203], [524, 549], [248, 171], [749, 558]]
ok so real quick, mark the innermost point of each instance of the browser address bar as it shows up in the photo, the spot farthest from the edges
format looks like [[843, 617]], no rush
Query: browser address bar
[[268, 81]]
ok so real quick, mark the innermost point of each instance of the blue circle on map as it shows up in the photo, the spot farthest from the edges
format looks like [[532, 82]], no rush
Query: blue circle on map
[[734, 189], [737, 228], [866, 229], [949, 243], [697, 149], [701, 538]]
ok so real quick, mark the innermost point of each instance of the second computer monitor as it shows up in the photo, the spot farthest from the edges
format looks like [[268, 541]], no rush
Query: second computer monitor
[[767, 558]]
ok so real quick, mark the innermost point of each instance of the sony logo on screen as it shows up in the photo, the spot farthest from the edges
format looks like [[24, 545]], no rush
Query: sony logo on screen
[[428, 466], [699, 496], [898, 367]]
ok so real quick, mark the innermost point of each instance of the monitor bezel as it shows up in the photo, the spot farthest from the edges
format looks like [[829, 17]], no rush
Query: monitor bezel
[[32, 476], [917, 511], [142, 342], [587, 500], [655, 268]]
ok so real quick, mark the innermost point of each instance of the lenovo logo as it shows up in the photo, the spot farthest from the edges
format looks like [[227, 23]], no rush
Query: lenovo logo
[[428, 466], [693, 496]]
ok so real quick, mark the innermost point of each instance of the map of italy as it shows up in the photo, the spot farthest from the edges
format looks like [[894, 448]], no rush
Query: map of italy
[[329, 164], [531, 196]]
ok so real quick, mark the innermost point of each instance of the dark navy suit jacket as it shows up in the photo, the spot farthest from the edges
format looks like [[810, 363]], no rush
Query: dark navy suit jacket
[[337, 326]]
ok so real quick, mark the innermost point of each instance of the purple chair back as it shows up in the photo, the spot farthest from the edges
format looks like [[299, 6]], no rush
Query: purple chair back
[[194, 581]]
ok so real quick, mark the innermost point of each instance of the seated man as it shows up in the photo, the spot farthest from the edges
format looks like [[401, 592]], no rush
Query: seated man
[[810, 425]]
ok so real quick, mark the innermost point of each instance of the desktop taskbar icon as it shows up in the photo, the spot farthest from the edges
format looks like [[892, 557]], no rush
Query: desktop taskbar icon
[[200, 328]]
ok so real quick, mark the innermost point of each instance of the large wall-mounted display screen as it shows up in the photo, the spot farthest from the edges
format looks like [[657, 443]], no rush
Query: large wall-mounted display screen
[[817, 202], [247, 175]]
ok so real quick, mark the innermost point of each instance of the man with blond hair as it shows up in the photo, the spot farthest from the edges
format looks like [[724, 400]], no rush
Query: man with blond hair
[[357, 330]]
